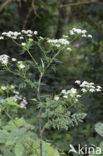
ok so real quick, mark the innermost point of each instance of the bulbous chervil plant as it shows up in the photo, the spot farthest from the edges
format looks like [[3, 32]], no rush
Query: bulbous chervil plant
[[17, 136]]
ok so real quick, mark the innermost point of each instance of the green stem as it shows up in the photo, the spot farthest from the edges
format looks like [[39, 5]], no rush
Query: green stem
[[32, 58], [40, 114], [9, 116]]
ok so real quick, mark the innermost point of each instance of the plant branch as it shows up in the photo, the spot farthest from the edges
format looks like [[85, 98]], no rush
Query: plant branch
[[40, 113], [54, 57], [32, 58], [27, 17], [80, 3], [10, 117], [32, 8], [4, 4]]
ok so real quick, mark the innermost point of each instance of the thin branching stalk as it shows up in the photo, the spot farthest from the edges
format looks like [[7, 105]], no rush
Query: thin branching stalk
[[9, 116], [40, 113]]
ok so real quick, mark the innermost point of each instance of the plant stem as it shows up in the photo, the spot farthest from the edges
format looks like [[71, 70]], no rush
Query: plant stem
[[40, 113], [10, 117], [32, 58]]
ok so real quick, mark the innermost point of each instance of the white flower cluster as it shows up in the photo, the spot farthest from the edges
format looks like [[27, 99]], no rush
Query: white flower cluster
[[58, 42], [68, 93], [1, 37], [8, 87], [14, 59], [3, 88], [4, 59], [20, 65], [86, 86], [18, 35], [23, 103], [69, 49], [18, 97], [23, 44], [73, 93], [83, 33]]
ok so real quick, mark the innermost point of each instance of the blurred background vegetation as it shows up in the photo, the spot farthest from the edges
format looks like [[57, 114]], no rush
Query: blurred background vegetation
[[55, 18]]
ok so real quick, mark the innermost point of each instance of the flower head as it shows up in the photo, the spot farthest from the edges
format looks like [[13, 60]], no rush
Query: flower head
[[56, 98], [21, 66], [3, 87], [4, 59], [14, 59]]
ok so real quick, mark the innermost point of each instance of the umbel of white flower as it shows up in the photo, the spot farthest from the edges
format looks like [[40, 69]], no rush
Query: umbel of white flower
[[74, 93], [18, 35], [81, 32], [88, 86], [4, 59]]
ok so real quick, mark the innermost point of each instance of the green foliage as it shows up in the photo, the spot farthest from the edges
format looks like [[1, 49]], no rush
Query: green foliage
[[57, 116], [99, 128], [18, 138]]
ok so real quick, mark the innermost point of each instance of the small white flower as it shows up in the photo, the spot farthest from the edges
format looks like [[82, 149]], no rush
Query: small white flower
[[23, 44], [84, 84], [1, 37], [84, 35], [21, 66], [98, 90], [68, 92], [77, 30], [56, 98], [12, 86], [4, 33], [35, 32], [76, 100], [65, 96], [71, 32], [57, 45], [92, 87], [73, 90], [69, 49], [14, 59], [23, 103], [84, 31], [92, 90], [71, 94], [63, 91], [91, 83], [90, 36], [30, 39], [16, 92], [78, 81], [29, 31], [41, 37], [24, 31], [60, 41], [14, 37], [83, 90], [21, 37], [78, 96], [3, 87], [29, 35], [99, 87]]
